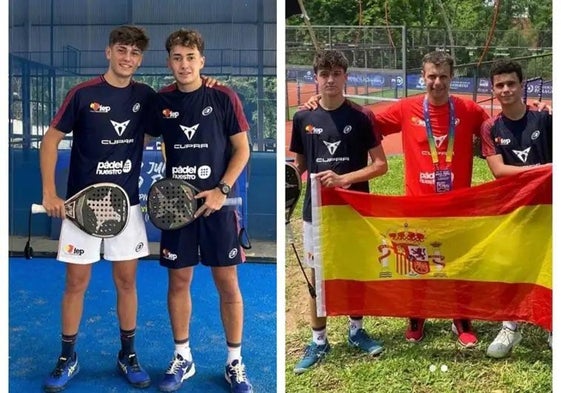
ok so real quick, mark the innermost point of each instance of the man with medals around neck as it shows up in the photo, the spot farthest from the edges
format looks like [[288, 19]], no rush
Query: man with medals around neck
[[437, 137]]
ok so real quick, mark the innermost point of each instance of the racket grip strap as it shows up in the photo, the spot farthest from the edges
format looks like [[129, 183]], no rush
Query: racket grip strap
[[35, 209], [237, 201]]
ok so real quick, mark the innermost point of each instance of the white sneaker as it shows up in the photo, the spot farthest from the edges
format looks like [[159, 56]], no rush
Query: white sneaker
[[549, 340], [503, 343]]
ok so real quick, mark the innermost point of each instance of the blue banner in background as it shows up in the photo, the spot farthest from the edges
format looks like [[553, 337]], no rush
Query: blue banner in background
[[484, 86], [153, 169], [393, 79], [546, 88]]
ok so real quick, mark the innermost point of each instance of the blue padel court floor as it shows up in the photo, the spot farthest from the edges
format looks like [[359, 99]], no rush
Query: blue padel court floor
[[36, 287]]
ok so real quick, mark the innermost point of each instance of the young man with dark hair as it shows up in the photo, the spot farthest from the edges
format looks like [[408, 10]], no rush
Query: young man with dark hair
[[205, 134], [106, 116], [334, 142], [516, 140]]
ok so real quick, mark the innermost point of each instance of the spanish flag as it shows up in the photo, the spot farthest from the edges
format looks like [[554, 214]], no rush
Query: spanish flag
[[481, 253]]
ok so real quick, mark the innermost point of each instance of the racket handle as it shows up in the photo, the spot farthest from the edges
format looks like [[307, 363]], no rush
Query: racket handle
[[35, 208], [237, 201]]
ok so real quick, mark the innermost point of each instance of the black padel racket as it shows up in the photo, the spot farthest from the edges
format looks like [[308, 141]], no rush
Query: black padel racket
[[293, 188], [172, 204], [101, 210]]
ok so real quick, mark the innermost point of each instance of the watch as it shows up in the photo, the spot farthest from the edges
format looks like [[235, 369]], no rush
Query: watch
[[224, 188]]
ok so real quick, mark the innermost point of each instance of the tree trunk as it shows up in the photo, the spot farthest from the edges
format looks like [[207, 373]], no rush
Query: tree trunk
[[448, 28]]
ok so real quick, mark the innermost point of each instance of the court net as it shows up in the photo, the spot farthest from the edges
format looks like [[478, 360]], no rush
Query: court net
[[376, 101], [376, 104]]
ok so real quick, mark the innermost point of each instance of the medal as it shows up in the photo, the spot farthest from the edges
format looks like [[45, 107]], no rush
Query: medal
[[443, 180], [442, 177]]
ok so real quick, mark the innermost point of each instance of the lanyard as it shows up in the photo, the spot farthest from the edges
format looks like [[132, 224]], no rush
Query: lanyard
[[430, 137]]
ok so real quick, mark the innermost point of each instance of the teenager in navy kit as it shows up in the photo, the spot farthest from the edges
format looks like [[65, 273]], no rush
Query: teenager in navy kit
[[106, 117], [205, 135], [334, 142], [514, 141]]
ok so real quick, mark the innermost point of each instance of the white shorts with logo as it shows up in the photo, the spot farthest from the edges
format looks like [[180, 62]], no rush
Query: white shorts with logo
[[308, 244], [76, 246]]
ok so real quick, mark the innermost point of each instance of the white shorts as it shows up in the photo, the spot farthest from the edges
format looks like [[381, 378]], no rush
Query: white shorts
[[76, 246], [308, 244]]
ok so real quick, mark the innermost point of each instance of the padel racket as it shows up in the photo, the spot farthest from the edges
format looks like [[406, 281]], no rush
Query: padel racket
[[101, 210], [293, 188], [172, 204]]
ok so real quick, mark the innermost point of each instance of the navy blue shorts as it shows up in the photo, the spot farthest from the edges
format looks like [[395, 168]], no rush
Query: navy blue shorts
[[215, 236]]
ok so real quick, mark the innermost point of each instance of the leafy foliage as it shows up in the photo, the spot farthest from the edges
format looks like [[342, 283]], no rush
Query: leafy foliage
[[522, 26]]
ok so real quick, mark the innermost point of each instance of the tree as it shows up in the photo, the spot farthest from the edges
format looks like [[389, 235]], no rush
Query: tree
[[452, 24]]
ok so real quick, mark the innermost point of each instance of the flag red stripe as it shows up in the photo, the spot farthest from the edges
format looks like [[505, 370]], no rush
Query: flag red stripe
[[493, 301], [498, 197]]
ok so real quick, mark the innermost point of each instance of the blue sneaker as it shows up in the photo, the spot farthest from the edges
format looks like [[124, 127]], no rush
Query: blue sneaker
[[314, 354], [364, 342], [236, 377], [129, 367], [178, 371], [64, 371]]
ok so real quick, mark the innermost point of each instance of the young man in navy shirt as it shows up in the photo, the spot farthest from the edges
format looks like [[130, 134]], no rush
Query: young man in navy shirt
[[339, 143], [204, 132], [106, 116], [514, 141]]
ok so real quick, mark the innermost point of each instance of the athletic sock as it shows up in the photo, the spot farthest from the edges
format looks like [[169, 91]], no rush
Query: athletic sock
[[127, 341], [182, 348], [319, 336], [234, 352], [355, 324], [68, 344]]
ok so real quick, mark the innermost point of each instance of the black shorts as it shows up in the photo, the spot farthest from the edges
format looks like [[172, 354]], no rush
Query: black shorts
[[215, 236]]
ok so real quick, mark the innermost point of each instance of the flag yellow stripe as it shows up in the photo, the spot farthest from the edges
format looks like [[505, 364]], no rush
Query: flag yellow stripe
[[512, 248]]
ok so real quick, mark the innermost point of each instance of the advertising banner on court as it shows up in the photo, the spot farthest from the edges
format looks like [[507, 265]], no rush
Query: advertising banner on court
[[153, 169], [391, 78], [481, 253]]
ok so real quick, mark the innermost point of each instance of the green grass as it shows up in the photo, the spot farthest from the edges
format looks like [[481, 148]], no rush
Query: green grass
[[404, 367]]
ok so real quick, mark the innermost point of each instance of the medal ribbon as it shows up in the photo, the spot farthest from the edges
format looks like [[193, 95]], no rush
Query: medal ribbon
[[430, 136]]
